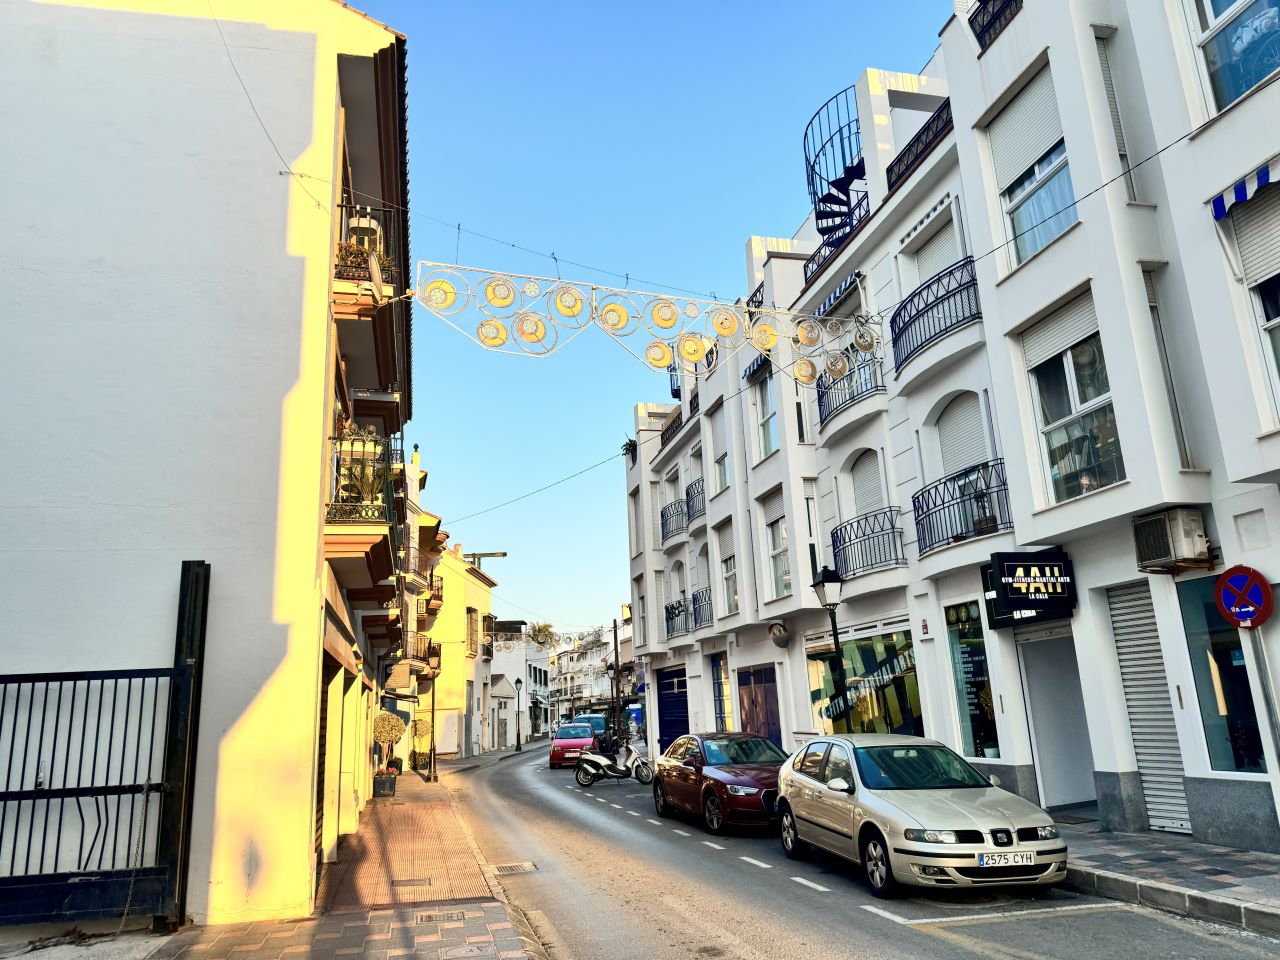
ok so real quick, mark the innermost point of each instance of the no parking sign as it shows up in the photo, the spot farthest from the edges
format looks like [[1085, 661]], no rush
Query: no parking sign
[[1244, 597]]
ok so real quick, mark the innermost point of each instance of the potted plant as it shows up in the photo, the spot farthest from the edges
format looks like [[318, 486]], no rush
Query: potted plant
[[629, 448], [387, 730], [353, 260]]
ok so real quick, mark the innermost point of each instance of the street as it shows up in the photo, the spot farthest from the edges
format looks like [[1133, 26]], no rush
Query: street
[[613, 880]]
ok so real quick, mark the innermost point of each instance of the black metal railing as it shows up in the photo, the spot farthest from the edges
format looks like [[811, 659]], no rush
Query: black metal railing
[[941, 304], [969, 503], [673, 425], [695, 404], [832, 142], [921, 145], [361, 478], [695, 497], [486, 650], [674, 518], [679, 618], [756, 300], [858, 215], [673, 370], [702, 613], [868, 542], [864, 378], [362, 231], [988, 18]]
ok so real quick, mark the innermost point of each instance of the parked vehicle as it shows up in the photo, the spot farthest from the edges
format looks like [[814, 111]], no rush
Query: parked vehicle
[[722, 777], [912, 812], [593, 766], [606, 738], [569, 741]]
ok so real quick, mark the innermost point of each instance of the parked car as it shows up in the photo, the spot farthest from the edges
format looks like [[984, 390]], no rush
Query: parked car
[[600, 724], [569, 740], [912, 812], [722, 777]]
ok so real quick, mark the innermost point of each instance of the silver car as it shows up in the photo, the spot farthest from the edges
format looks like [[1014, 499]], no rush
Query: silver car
[[911, 811]]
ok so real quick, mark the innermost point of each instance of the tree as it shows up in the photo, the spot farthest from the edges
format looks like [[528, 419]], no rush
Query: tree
[[541, 633]]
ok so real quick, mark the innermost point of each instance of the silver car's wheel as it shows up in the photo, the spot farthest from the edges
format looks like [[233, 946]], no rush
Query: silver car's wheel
[[792, 845], [875, 864]]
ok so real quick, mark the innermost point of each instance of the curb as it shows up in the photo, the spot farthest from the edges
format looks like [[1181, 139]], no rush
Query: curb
[[1254, 917]]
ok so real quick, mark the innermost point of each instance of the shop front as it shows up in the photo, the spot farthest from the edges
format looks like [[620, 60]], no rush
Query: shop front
[[867, 684]]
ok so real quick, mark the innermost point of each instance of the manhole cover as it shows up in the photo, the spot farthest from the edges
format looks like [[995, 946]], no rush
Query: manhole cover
[[417, 882], [507, 868], [440, 917]]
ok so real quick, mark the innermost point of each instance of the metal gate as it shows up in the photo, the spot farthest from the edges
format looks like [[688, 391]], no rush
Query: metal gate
[[1146, 696], [95, 811]]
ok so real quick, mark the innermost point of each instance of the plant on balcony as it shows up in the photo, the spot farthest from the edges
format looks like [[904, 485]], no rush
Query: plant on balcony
[[387, 730], [630, 447], [355, 256]]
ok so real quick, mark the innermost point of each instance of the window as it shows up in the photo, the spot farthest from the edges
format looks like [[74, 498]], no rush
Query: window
[[1184, 449], [810, 762], [779, 562], [1104, 63], [972, 680], [811, 515], [1268, 304], [1240, 42], [1078, 421], [1040, 203], [719, 450], [1222, 681], [766, 416], [722, 472], [839, 766], [868, 686], [473, 631], [1256, 227], [720, 693], [802, 424], [729, 574], [637, 532]]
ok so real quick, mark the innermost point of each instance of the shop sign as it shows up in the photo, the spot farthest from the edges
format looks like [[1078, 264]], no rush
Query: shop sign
[[1244, 597], [1020, 587]]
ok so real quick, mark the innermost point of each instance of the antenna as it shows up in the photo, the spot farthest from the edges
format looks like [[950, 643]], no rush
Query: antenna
[[475, 558]]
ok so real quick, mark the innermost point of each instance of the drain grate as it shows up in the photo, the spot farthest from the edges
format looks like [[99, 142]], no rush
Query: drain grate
[[416, 882], [526, 866], [450, 917]]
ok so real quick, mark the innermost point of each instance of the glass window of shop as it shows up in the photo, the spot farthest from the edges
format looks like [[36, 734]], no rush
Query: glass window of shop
[[878, 674], [972, 679], [720, 693], [1222, 681]]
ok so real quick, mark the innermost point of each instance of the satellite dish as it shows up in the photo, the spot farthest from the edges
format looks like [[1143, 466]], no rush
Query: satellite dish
[[779, 634], [375, 276]]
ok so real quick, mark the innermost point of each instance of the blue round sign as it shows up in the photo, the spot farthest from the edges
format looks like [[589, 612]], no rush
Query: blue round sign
[[1244, 597]]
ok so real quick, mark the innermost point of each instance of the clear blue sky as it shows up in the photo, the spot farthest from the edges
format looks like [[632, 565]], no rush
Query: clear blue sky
[[643, 138]]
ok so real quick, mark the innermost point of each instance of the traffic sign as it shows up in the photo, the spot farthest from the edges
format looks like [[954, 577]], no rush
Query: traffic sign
[[1244, 597]]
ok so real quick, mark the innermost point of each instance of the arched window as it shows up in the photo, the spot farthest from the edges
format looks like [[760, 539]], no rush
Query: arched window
[[868, 494]]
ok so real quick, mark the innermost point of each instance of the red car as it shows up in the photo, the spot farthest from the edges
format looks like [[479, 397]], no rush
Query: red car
[[569, 741], [723, 777]]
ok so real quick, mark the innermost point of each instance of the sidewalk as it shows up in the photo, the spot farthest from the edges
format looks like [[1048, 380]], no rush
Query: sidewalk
[[460, 764], [409, 884], [1173, 872]]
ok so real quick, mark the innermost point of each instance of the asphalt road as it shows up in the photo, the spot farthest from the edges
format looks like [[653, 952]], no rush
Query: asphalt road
[[615, 882]]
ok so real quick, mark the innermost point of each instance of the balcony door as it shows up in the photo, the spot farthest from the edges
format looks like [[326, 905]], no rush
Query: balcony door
[[868, 492], [962, 436]]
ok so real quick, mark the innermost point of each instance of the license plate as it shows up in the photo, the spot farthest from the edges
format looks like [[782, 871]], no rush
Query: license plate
[[1006, 859], [571, 753]]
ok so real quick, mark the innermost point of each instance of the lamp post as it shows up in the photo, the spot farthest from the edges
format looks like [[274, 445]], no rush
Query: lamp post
[[519, 684], [827, 587], [433, 670]]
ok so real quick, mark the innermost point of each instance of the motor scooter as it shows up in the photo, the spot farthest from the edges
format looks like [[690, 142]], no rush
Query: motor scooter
[[593, 766]]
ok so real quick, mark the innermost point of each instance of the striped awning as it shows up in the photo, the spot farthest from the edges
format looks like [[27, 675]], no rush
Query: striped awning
[[755, 368], [837, 294], [1242, 191]]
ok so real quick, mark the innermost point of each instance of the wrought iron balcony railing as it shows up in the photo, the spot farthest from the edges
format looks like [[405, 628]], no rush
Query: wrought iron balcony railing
[[921, 145], [756, 300], [674, 519], [702, 613], [832, 143], [988, 18], [857, 216], [695, 498], [865, 378], [939, 305], [365, 230], [695, 404], [361, 479], [678, 617], [672, 427], [972, 502], [868, 542]]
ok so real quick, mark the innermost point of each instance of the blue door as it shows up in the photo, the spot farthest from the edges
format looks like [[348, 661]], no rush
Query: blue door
[[673, 706]]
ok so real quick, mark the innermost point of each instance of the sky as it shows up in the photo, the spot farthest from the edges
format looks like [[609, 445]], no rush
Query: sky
[[649, 139]]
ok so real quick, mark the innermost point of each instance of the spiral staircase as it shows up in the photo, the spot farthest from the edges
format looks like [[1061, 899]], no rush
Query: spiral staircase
[[834, 167]]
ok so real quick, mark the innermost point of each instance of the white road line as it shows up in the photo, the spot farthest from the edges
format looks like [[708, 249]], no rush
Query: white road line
[[656, 823], [616, 806], [713, 846], [759, 863], [633, 813], [569, 786], [993, 915], [681, 832], [601, 800], [813, 886]]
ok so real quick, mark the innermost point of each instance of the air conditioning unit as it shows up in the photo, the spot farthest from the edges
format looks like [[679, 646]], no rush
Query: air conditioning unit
[[1171, 541]]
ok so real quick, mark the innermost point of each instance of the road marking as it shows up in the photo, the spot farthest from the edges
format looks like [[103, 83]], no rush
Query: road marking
[[759, 863], [713, 846], [601, 800], [656, 823], [569, 786], [809, 883], [681, 832], [616, 806], [633, 813], [993, 915]]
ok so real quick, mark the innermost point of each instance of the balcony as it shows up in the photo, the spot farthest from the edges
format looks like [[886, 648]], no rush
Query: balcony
[[869, 542], [434, 598], [695, 498], [674, 519], [673, 370], [679, 618], [988, 18], [833, 163], [419, 650], [694, 404], [702, 612], [367, 241], [857, 216], [360, 537], [933, 132], [866, 378], [756, 300], [486, 650], [671, 428], [938, 306], [972, 502]]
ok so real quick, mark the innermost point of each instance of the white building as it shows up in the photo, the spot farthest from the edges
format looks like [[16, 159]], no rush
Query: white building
[[1046, 375], [518, 656]]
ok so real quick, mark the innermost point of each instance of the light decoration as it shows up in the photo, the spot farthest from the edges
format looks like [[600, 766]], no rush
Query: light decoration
[[537, 316]]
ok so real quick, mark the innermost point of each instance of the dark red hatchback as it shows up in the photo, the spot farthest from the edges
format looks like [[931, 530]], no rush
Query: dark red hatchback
[[723, 777]]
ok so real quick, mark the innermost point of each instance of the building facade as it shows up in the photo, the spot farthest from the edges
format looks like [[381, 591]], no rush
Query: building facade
[[1053, 264]]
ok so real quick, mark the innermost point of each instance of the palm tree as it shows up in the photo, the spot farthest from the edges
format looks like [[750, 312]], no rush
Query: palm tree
[[540, 633]]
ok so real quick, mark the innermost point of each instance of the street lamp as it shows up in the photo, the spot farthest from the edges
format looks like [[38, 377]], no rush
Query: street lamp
[[519, 684], [433, 671], [827, 587]]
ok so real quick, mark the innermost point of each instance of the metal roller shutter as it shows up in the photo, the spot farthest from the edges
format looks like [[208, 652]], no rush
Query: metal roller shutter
[[1024, 130], [725, 536], [1146, 695], [1063, 328], [937, 253], [1104, 61], [719, 440], [1257, 224], [773, 506], [867, 493], [961, 435], [655, 511]]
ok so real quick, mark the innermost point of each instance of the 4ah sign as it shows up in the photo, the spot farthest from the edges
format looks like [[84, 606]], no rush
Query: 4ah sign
[[1244, 597], [1037, 585]]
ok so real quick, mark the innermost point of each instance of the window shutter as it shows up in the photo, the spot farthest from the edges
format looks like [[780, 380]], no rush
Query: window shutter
[[1149, 281], [655, 511], [1257, 224], [938, 253], [1110, 86], [725, 535], [961, 434], [773, 506], [867, 493], [1063, 328], [1025, 129], [719, 440]]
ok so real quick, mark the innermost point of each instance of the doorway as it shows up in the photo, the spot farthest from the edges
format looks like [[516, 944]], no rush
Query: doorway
[[758, 702], [673, 706], [1056, 716], [466, 720]]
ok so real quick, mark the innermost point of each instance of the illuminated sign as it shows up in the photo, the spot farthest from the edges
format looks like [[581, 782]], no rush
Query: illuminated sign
[[1023, 587]]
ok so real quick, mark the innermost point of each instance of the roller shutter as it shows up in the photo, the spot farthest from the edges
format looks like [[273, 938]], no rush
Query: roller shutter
[[868, 494], [1146, 695], [725, 535], [961, 435], [773, 506], [1257, 224], [1025, 129], [1104, 61], [937, 253], [1063, 328], [719, 439]]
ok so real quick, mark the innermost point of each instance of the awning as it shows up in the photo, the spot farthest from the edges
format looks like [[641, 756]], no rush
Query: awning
[[755, 368], [1241, 191], [837, 294]]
